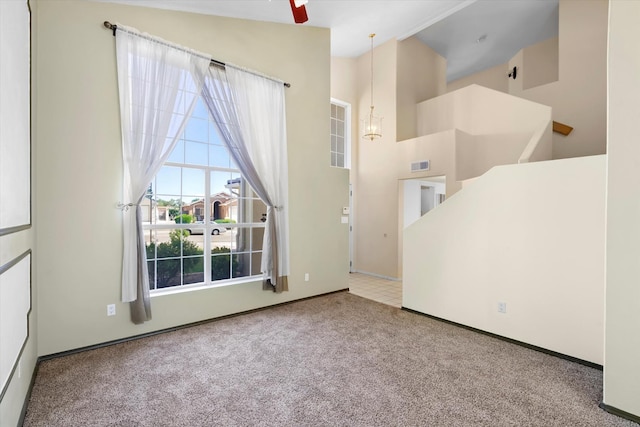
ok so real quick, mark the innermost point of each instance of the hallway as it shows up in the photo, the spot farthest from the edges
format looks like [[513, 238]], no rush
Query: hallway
[[381, 290]]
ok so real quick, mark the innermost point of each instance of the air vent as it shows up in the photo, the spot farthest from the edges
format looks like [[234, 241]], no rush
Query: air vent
[[420, 166]]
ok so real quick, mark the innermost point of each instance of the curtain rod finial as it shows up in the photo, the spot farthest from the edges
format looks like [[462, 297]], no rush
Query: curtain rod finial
[[110, 26]]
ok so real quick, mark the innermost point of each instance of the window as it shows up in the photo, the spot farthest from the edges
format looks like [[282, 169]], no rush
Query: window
[[340, 134], [199, 204]]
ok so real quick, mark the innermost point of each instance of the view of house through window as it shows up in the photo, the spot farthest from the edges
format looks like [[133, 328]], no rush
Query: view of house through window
[[340, 135], [202, 222]]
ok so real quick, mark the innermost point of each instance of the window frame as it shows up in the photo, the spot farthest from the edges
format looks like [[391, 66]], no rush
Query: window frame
[[347, 133], [150, 227]]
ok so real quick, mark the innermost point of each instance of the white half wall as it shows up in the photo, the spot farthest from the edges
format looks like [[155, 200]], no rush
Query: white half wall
[[622, 367], [528, 235], [478, 110]]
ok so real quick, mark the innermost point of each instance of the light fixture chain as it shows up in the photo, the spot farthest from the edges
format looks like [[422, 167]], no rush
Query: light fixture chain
[[371, 36], [372, 124]]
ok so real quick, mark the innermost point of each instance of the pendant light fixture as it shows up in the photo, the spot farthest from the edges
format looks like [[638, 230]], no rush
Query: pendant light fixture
[[372, 124]]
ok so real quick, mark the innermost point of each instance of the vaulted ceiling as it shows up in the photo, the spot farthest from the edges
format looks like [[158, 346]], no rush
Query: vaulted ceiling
[[471, 34]]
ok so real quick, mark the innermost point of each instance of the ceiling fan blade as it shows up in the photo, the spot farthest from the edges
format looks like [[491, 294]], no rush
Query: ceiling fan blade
[[299, 13]]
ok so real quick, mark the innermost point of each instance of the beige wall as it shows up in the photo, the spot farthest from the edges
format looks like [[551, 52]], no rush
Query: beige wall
[[529, 235], [421, 75], [494, 78], [438, 148], [540, 63], [404, 73], [480, 111], [578, 98], [344, 87], [79, 161], [376, 197], [577, 95], [622, 343], [344, 80]]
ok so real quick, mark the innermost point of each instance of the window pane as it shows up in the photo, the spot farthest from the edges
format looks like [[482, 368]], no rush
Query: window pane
[[195, 153], [219, 156], [147, 210], [168, 207], [256, 262], [190, 85], [168, 273], [177, 155], [151, 267], [243, 240], [225, 182], [221, 264], [150, 237], [196, 235], [340, 141], [168, 181], [242, 265], [197, 130], [192, 183], [257, 234], [192, 270], [214, 136], [200, 110], [224, 240], [259, 210], [167, 244]]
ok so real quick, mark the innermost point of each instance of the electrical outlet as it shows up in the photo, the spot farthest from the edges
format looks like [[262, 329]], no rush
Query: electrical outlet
[[502, 307], [111, 310], [306, 277]]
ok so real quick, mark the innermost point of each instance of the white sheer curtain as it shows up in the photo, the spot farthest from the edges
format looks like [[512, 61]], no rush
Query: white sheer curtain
[[249, 110], [157, 95]]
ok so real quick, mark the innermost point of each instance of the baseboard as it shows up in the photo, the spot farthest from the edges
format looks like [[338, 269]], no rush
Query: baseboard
[[620, 413], [25, 404], [511, 340], [176, 328], [380, 276]]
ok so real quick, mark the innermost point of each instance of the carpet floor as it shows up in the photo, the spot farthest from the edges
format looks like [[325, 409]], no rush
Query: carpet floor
[[335, 360]]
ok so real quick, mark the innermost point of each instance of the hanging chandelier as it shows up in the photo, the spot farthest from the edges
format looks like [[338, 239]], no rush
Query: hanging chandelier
[[372, 124]]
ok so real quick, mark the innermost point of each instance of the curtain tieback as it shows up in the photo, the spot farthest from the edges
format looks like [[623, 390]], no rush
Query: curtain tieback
[[124, 207], [278, 208]]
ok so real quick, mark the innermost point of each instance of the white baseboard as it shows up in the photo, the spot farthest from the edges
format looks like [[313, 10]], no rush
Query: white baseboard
[[380, 276]]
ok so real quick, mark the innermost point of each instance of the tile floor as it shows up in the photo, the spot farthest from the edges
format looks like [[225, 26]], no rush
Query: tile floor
[[382, 290]]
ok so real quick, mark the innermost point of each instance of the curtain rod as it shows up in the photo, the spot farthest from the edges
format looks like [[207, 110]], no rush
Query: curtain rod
[[214, 62]]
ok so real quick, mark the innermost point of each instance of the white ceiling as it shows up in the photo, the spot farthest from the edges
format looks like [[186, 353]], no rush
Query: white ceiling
[[450, 27]]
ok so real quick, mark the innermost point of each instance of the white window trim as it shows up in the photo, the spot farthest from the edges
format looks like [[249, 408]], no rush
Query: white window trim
[[207, 247], [347, 131]]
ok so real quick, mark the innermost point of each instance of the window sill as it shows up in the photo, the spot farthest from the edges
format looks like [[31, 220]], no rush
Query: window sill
[[203, 286]]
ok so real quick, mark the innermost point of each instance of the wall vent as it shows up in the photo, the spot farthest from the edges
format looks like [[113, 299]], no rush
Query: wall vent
[[420, 166]]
